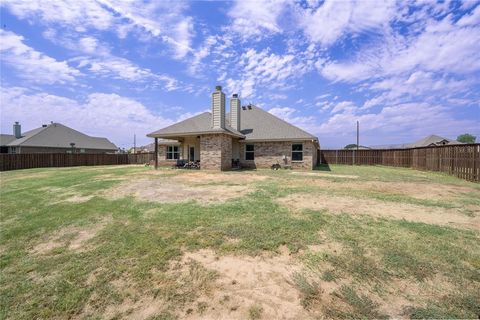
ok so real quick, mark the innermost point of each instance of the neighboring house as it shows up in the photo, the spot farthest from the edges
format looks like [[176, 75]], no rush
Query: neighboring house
[[429, 141], [151, 146], [247, 135], [53, 138]]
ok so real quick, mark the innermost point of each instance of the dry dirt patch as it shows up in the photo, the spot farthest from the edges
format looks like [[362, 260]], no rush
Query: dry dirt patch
[[244, 282], [376, 208], [431, 191], [230, 178], [324, 175], [74, 238], [172, 190]]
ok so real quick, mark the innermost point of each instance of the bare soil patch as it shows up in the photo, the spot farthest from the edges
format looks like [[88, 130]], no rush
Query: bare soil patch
[[324, 175], [376, 208], [74, 238], [244, 282], [172, 190], [230, 178], [429, 191]]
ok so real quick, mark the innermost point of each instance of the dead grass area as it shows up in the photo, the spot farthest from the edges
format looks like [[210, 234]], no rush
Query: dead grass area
[[377, 208], [68, 195], [324, 175], [429, 191], [72, 238], [244, 282], [230, 178], [174, 191]]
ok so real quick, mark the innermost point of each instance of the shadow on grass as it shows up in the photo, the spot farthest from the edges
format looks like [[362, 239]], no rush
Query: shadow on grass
[[323, 167]]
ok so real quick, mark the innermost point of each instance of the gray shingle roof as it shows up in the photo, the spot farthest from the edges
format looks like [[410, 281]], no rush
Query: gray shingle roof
[[57, 135], [6, 139], [432, 140], [425, 142], [256, 124], [199, 124]]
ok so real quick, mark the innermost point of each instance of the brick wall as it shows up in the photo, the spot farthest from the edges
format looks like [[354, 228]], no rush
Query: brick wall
[[268, 153], [216, 152]]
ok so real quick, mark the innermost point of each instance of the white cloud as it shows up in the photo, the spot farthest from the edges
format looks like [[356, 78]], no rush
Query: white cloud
[[164, 20], [333, 20], [120, 68], [255, 19], [31, 64], [99, 114], [265, 69], [400, 123], [345, 106], [442, 46]]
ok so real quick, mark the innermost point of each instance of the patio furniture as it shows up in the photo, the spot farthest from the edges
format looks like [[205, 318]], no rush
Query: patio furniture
[[179, 164]]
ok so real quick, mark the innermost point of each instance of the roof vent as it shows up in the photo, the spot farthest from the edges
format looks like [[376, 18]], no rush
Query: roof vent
[[244, 108], [44, 125], [249, 106], [235, 95]]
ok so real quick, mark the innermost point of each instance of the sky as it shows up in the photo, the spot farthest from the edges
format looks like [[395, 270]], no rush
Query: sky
[[403, 69]]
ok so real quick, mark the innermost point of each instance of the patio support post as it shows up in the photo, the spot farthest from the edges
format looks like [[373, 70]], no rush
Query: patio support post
[[156, 153]]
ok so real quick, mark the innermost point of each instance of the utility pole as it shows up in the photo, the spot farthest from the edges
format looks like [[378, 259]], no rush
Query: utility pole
[[134, 143], [358, 135]]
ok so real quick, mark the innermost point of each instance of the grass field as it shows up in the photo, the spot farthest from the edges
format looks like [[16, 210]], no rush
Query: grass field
[[339, 242]]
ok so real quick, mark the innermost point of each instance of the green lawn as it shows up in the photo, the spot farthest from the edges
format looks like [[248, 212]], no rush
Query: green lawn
[[79, 243]]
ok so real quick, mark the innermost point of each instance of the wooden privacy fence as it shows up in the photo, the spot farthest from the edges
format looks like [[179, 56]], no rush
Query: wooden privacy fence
[[462, 161], [42, 160]]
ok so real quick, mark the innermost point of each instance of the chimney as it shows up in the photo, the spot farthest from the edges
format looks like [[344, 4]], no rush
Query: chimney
[[218, 108], [235, 112], [17, 130]]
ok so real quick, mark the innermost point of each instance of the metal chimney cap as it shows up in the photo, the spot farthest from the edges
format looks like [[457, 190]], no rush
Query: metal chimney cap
[[235, 95], [16, 122], [218, 88]]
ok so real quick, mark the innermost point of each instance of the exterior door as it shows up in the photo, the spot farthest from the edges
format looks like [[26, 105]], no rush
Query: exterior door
[[191, 153]]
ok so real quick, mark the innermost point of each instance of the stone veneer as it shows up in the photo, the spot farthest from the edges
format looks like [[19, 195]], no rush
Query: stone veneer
[[268, 153], [216, 152]]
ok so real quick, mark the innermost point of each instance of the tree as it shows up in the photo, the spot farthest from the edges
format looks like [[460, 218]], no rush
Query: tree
[[350, 146], [466, 138]]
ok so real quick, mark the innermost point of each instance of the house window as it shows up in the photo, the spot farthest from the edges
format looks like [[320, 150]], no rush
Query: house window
[[249, 152], [173, 153], [13, 150], [297, 152], [82, 150]]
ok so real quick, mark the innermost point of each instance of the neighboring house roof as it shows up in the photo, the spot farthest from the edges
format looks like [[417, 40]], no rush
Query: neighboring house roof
[[431, 140], [151, 146], [57, 135], [6, 139], [199, 124], [359, 148], [256, 125]]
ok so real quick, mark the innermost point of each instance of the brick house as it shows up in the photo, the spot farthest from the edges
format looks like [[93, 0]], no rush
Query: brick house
[[247, 135]]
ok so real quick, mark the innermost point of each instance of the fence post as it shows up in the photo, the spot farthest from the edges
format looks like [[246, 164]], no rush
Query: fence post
[[336, 156]]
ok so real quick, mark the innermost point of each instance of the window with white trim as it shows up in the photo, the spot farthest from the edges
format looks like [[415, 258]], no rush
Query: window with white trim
[[13, 150], [173, 153], [297, 152], [249, 152]]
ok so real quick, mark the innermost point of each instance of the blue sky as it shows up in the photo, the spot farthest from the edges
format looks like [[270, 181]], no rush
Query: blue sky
[[403, 69]]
